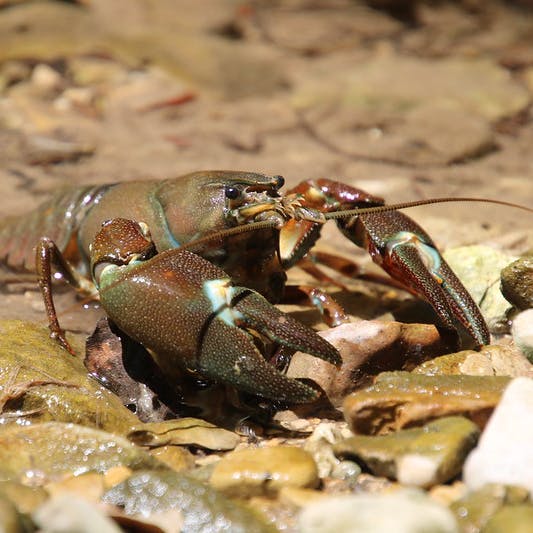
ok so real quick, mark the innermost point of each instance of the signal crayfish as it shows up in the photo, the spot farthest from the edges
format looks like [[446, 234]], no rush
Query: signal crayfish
[[190, 267]]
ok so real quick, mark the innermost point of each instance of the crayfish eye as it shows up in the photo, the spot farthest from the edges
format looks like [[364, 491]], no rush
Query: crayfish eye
[[280, 181], [232, 193]]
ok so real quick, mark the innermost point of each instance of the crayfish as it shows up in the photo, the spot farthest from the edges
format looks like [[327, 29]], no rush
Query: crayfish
[[189, 267]]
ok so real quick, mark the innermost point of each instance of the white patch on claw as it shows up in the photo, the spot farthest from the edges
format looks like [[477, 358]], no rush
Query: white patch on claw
[[429, 256], [220, 293]]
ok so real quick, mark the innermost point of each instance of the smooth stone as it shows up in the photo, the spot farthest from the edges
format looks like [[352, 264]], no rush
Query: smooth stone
[[264, 471], [184, 431], [522, 330], [494, 360], [367, 347], [505, 451], [517, 282], [479, 267], [422, 457], [401, 512], [203, 509], [402, 399], [474, 509], [71, 514]]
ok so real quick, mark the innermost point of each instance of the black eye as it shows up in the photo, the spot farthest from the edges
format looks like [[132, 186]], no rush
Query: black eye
[[280, 181], [232, 192]]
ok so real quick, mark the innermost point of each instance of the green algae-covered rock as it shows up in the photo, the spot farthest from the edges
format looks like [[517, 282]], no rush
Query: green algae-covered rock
[[40, 382], [402, 399], [422, 456], [202, 507], [43, 452]]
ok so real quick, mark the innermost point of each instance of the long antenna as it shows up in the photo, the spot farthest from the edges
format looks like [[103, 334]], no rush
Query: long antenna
[[417, 203]]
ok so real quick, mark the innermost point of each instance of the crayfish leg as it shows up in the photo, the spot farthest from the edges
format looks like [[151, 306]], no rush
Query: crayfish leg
[[48, 258]]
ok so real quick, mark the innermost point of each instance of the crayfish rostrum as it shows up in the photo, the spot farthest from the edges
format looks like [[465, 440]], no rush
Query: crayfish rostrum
[[189, 267]]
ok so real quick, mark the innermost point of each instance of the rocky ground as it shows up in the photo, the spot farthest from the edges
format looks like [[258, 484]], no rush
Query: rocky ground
[[408, 100]]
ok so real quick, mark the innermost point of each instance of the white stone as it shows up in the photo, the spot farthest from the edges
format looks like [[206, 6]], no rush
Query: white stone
[[505, 450], [522, 331], [405, 511]]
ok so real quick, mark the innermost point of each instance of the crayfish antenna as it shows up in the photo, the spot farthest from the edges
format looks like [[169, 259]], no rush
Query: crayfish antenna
[[417, 203]]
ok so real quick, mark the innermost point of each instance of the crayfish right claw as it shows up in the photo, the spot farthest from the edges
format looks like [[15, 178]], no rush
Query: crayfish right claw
[[229, 354], [259, 314]]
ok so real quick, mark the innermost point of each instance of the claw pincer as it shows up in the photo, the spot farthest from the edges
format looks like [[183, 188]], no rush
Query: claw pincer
[[403, 249], [191, 316]]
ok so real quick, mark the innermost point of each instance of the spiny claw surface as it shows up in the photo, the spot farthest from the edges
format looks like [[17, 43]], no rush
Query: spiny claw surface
[[410, 256], [229, 354]]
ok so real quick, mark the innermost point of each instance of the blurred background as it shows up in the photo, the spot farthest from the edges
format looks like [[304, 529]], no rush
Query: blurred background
[[407, 99]]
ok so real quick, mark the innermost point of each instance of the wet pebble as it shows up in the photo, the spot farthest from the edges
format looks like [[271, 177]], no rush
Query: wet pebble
[[264, 471], [184, 431], [401, 512], [367, 347], [522, 330], [517, 282], [402, 399], [504, 454], [422, 456]]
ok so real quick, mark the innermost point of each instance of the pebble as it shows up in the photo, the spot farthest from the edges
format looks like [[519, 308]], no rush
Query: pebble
[[264, 471], [422, 457], [517, 282], [402, 512], [522, 330], [403, 399], [505, 452], [45, 79]]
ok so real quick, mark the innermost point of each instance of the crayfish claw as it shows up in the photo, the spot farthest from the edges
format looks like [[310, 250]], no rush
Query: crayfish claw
[[230, 356], [258, 313], [424, 271]]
